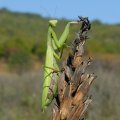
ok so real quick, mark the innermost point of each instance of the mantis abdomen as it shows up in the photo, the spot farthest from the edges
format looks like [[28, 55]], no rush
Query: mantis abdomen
[[50, 79]]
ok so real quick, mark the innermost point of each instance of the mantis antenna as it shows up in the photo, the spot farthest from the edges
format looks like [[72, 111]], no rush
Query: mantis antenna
[[45, 10], [48, 13]]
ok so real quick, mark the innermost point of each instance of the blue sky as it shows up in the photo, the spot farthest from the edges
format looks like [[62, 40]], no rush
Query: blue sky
[[108, 11]]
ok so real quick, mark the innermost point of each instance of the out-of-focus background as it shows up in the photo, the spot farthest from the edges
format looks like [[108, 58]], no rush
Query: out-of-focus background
[[23, 33]]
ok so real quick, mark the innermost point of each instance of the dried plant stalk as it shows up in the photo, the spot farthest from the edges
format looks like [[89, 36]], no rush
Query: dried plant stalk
[[74, 83]]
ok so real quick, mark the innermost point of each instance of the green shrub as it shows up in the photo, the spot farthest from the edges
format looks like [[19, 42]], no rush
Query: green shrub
[[19, 61]]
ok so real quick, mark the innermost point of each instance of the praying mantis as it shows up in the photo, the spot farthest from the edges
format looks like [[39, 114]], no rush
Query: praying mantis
[[51, 69]]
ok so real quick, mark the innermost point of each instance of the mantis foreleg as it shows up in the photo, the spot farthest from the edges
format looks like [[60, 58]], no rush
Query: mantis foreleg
[[60, 43]]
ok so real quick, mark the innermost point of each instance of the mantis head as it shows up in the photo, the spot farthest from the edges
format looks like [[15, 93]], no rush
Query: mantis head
[[53, 22]]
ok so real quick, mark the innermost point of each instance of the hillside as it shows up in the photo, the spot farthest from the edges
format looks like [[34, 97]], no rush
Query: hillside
[[27, 33]]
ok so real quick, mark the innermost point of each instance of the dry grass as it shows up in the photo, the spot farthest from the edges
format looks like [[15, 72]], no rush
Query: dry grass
[[20, 95], [106, 95]]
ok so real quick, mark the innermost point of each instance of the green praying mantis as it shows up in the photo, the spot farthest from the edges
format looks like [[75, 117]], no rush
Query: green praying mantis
[[51, 69]]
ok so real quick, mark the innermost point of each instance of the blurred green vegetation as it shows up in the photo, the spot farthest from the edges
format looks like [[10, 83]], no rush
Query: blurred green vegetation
[[104, 38], [28, 32]]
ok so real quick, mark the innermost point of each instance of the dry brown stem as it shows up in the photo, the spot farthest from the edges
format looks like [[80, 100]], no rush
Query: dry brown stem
[[74, 84]]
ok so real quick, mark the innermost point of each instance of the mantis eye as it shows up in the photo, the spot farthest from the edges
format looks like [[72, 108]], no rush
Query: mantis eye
[[53, 22]]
